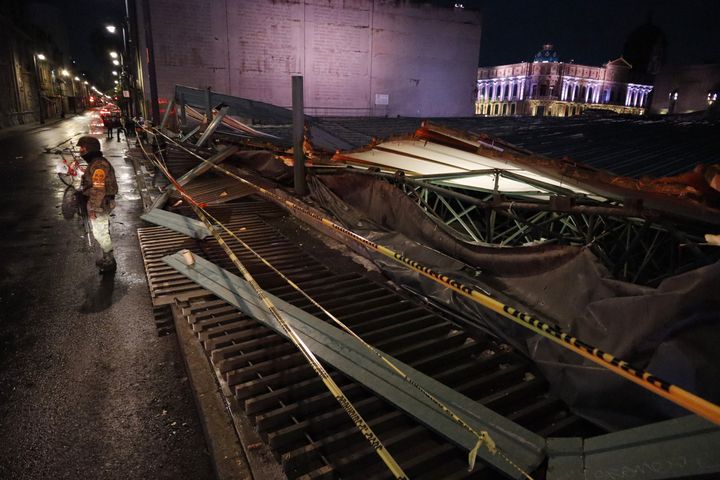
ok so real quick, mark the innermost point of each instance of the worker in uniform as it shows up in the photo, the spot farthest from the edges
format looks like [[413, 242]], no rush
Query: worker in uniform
[[99, 187]]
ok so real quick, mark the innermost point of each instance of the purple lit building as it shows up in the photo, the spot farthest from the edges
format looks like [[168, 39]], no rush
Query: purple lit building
[[548, 87]]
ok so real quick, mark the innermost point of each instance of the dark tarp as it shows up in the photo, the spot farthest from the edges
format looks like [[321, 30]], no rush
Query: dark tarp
[[671, 330]]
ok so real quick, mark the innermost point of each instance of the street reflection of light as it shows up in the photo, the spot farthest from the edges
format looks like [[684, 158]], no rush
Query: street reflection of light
[[40, 56], [114, 54], [116, 63], [110, 28]]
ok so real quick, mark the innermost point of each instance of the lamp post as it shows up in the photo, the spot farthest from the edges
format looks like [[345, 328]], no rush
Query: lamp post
[[75, 93], [41, 57], [125, 84], [65, 74]]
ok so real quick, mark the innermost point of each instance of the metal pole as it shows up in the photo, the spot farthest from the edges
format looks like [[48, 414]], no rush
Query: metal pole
[[133, 57], [298, 133], [183, 117], [72, 82], [208, 105], [127, 74], [154, 106], [39, 92]]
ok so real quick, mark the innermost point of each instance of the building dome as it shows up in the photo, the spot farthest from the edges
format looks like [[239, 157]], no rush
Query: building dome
[[645, 48], [547, 55]]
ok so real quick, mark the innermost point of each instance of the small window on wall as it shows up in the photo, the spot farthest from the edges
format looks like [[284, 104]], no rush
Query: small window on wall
[[543, 90]]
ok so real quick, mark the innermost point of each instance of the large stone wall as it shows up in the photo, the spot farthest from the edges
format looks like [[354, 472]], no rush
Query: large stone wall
[[358, 57], [692, 82]]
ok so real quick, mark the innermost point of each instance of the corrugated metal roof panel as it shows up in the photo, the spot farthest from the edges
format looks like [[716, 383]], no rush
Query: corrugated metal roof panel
[[631, 147]]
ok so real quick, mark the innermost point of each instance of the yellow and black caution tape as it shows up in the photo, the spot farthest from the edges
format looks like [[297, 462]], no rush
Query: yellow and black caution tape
[[645, 379], [334, 389], [483, 438]]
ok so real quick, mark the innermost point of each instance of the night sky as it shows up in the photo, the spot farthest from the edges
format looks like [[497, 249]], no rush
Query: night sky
[[89, 41], [592, 32], [586, 31]]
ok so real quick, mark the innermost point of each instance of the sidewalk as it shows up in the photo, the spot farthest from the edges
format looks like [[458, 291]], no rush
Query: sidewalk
[[88, 388]]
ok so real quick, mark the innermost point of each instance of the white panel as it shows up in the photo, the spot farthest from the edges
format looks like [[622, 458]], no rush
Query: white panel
[[401, 162], [428, 158]]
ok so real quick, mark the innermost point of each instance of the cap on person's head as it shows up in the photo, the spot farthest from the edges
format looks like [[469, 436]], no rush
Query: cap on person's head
[[91, 144]]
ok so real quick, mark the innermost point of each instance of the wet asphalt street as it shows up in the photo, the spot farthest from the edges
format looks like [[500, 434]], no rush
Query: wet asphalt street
[[87, 387]]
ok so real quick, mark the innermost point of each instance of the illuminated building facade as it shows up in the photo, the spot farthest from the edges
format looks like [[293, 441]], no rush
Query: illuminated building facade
[[548, 87]]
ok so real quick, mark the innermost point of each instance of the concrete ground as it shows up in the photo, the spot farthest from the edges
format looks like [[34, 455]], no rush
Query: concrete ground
[[87, 387]]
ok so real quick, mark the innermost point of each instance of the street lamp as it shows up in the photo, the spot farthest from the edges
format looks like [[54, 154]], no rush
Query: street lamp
[[114, 73], [41, 57], [64, 72], [126, 81]]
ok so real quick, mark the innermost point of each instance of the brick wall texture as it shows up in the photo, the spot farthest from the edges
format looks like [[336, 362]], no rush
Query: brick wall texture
[[357, 57]]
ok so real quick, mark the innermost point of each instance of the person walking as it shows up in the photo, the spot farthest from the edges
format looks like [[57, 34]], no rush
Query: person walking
[[117, 124], [99, 187], [108, 124]]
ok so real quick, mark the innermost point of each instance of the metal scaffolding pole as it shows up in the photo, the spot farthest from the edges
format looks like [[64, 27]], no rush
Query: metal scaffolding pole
[[298, 132]]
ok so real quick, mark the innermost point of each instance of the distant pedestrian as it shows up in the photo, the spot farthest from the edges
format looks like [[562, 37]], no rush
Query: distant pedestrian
[[117, 124], [128, 126], [140, 135], [99, 188], [108, 124]]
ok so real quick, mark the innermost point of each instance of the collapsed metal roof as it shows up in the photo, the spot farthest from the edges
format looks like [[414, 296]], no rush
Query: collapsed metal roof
[[503, 179], [456, 174]]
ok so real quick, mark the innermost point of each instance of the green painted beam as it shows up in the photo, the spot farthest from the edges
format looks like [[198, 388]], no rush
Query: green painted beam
[[678, 448], [195, 172], [346, 354], [178, 223]]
